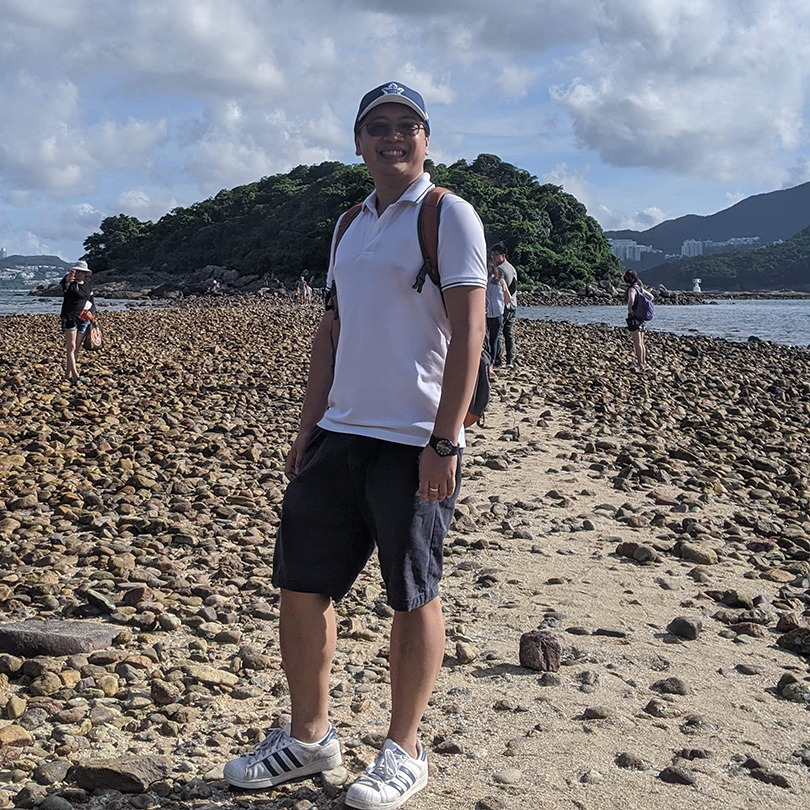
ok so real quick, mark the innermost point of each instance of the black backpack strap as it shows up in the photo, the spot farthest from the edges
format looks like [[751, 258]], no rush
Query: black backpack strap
[[428, 229]]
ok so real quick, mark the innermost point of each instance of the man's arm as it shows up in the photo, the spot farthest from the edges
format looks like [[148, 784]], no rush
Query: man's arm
[[319, 382], [466, 307]]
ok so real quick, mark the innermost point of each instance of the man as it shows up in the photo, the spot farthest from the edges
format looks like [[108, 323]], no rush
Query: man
[[507, 338], [376, 460]]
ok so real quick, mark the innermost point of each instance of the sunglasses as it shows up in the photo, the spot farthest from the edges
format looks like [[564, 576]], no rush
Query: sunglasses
[[381, 129]]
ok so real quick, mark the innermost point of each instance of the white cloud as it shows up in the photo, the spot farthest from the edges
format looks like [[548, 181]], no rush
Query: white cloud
[[47, 146], [516, 81], [798, 173], [26, 243], [574, 181], [708, 88], [144, 204], [149, 95]]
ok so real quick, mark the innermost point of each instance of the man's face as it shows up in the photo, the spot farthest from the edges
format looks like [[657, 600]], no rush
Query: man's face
[[393, 155], [498, 258]]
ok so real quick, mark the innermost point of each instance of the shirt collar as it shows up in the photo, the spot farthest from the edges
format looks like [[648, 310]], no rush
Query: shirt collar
[[413, 193]]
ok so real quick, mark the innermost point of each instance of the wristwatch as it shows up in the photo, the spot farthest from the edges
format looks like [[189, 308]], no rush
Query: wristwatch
[[443, 447]]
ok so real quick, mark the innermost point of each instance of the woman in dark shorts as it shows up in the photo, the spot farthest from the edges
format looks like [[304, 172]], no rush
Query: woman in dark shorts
[[77, 306], [634, 325]]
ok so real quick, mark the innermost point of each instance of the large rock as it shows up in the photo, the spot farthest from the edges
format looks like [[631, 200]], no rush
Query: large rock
[[14, 735], [539, 650], [797, 641], [32, 638], [127, 774]]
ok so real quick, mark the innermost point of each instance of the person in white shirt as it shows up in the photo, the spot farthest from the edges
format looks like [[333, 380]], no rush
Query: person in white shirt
[[376, 462], [506, 343], [498, 299]]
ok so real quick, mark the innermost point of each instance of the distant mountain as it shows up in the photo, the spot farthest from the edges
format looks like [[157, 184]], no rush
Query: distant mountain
[[33, 261], [777, 267], [772, 216]]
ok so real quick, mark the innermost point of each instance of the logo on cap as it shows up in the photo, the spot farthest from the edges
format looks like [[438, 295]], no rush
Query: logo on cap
[[392, 89]]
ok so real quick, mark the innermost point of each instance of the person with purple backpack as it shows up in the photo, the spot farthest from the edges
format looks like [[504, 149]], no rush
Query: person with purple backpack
[[640, 309]]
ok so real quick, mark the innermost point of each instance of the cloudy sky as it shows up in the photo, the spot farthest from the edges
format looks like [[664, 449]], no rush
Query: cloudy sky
[[644, 109]]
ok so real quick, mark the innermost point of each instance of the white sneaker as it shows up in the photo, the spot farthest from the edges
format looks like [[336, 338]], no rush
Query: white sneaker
[[280, 758], [390, 780]]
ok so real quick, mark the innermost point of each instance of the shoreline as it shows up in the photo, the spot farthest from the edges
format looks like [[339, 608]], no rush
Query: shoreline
[[148, 502], [593, 295]]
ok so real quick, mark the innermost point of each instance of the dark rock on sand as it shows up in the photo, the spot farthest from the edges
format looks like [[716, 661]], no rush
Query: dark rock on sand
[[539, 650]]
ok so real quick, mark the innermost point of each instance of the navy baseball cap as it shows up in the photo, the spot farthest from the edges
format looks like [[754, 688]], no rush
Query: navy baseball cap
[[393, 93]]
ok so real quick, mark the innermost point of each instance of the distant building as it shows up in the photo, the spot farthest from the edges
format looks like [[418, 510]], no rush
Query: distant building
[[3, 253], [628, 250], [631, 254], [696, 247]]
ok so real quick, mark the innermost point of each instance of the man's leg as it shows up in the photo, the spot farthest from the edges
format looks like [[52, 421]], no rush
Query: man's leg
[[417, 652], [308, 636], [509, 317]]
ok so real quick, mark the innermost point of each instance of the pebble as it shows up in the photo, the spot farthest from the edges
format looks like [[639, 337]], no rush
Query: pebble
[[671, 686], [510, 776], [676, 775], [168, 525], [631, 762], [685, 627]]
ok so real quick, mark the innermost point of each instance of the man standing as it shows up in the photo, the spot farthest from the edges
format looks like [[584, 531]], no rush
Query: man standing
[[507, 337], [377, 458]]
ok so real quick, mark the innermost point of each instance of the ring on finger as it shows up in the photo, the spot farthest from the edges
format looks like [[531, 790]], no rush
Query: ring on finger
[[433, 489]]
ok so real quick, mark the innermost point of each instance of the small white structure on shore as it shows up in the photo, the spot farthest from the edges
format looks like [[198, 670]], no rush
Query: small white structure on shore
[[696, 284]]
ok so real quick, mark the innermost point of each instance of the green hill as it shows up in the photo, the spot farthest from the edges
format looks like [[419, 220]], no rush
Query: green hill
[[283, 224], [777, 267]]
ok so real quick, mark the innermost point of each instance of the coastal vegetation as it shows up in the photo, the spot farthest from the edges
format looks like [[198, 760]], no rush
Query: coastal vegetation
[[283, 225], [782, 266]]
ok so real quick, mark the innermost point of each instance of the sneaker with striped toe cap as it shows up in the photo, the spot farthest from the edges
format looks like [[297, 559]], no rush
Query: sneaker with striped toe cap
[[281, 758], [390, 780]]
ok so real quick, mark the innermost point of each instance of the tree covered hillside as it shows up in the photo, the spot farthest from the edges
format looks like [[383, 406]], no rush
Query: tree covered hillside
[[784, 266], [283, 224]]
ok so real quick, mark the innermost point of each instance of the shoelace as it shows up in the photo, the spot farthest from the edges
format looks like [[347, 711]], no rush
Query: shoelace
[[271, 742], [383, 769]]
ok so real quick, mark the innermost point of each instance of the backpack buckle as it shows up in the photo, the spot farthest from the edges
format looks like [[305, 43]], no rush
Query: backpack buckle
[[421, 276]]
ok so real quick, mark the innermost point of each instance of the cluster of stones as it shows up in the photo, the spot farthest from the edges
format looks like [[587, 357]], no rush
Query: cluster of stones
[[137, 519]]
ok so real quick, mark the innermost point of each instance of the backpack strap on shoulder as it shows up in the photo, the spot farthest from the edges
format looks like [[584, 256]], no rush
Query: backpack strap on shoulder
[[343, 226], [331, 302], [428, 228]]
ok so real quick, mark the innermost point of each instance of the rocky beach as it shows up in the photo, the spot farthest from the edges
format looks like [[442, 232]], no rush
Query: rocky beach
[[652, 527]]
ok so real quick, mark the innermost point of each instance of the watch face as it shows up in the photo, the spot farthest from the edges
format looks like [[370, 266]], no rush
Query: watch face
[[444, 447]]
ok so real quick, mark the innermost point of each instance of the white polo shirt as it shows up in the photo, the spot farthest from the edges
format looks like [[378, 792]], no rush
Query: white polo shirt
[[393, 340]]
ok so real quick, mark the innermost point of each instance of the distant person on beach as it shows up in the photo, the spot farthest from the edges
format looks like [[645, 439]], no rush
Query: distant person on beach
[[635, 323], [300, 294], [506, 344], [76, 314], [376, 462], [498, 298]]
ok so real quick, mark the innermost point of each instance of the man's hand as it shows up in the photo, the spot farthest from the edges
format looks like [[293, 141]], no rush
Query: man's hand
[[292, 464], [437, 475]]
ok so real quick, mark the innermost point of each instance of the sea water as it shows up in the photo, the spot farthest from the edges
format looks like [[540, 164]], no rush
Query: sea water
[[19, 302], [785, 322]]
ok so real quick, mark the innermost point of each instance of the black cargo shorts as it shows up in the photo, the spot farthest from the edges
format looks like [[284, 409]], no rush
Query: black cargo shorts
[[354, 493]]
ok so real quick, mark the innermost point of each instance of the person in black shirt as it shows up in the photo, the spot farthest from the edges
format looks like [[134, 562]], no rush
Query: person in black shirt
[[76, 314]]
